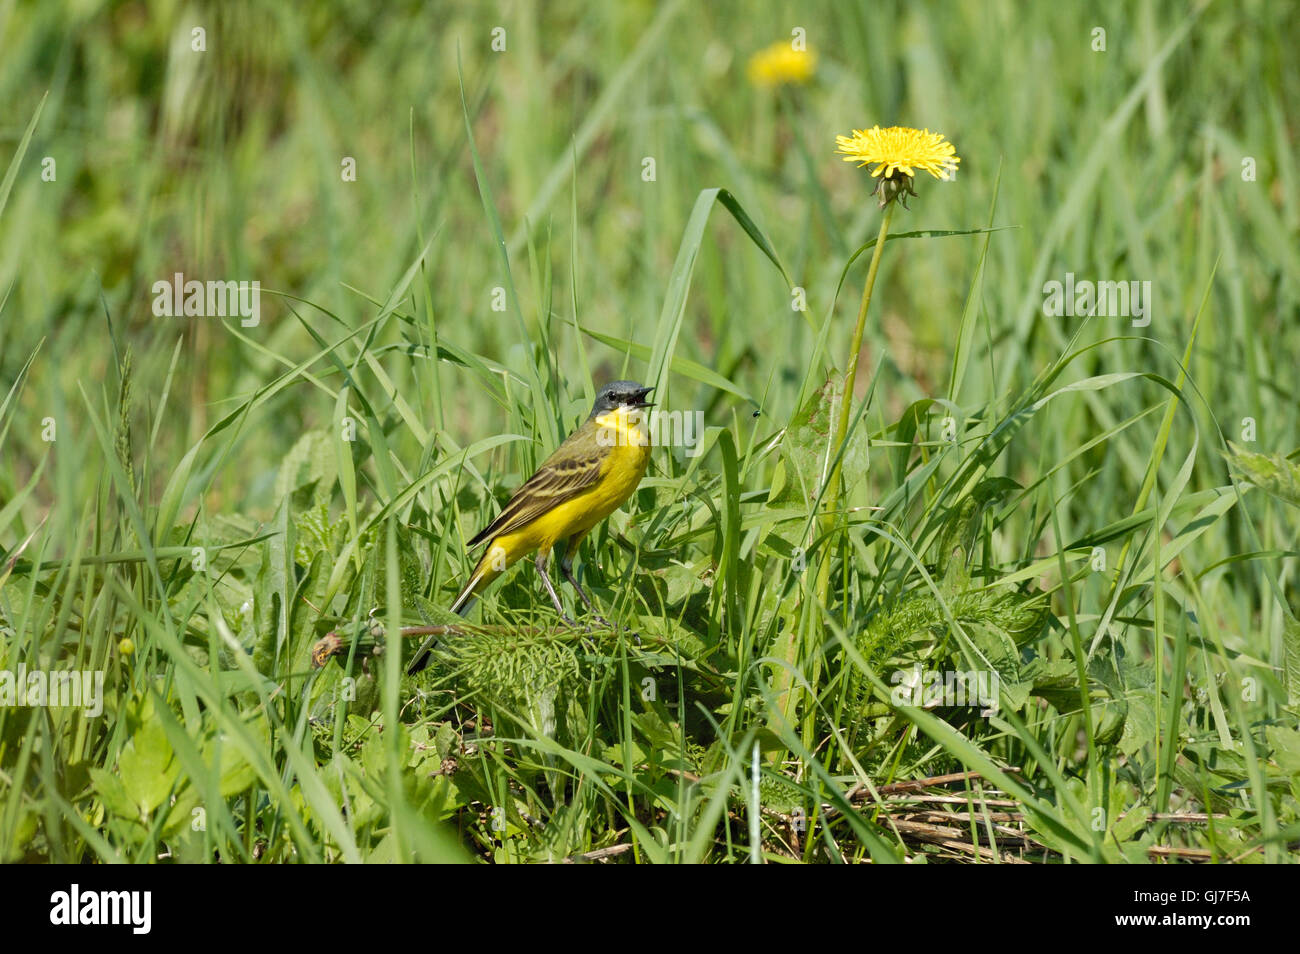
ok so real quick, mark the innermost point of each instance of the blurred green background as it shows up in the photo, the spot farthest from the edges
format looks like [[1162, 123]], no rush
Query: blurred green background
[[226, 164]]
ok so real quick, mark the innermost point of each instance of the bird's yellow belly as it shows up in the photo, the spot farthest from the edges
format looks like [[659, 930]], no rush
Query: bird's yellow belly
[[622, 471]]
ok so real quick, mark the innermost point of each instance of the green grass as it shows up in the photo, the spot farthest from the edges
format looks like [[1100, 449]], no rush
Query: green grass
[[1054, 498]]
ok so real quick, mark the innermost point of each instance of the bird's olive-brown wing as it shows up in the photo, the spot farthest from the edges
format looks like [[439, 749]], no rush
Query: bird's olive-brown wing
[[572, 469]]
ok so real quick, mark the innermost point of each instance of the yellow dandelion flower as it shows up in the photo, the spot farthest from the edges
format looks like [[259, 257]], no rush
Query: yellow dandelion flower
[[780, 64], [900, 148]]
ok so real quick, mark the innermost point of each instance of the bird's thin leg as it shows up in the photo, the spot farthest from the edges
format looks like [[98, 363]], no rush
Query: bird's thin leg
[[566, 567], [540, 563]]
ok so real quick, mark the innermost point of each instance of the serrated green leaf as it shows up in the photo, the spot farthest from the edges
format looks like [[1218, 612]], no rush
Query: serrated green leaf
[[148, 767]]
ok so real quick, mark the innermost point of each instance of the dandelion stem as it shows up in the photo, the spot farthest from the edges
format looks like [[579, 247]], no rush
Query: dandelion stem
[[846, 399], [786, 696], [851, 375]]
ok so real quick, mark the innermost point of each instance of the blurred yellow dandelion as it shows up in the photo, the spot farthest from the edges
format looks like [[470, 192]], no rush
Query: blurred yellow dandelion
[[781, 63], [900, 149]]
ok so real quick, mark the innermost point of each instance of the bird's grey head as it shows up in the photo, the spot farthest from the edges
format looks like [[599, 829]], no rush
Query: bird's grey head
[[618, 394]]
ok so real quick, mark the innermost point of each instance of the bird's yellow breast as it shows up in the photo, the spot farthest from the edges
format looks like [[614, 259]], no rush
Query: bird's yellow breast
[[626, 445], [625, 465]]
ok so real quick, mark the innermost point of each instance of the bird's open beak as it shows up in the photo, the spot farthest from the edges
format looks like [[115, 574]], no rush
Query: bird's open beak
[[642, 402]]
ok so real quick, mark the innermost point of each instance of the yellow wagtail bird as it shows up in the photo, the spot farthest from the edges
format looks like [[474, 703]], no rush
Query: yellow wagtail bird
[[590, 475]]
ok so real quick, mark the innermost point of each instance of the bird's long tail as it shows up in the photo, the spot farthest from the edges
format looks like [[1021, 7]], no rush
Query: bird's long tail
[[485, 571]]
